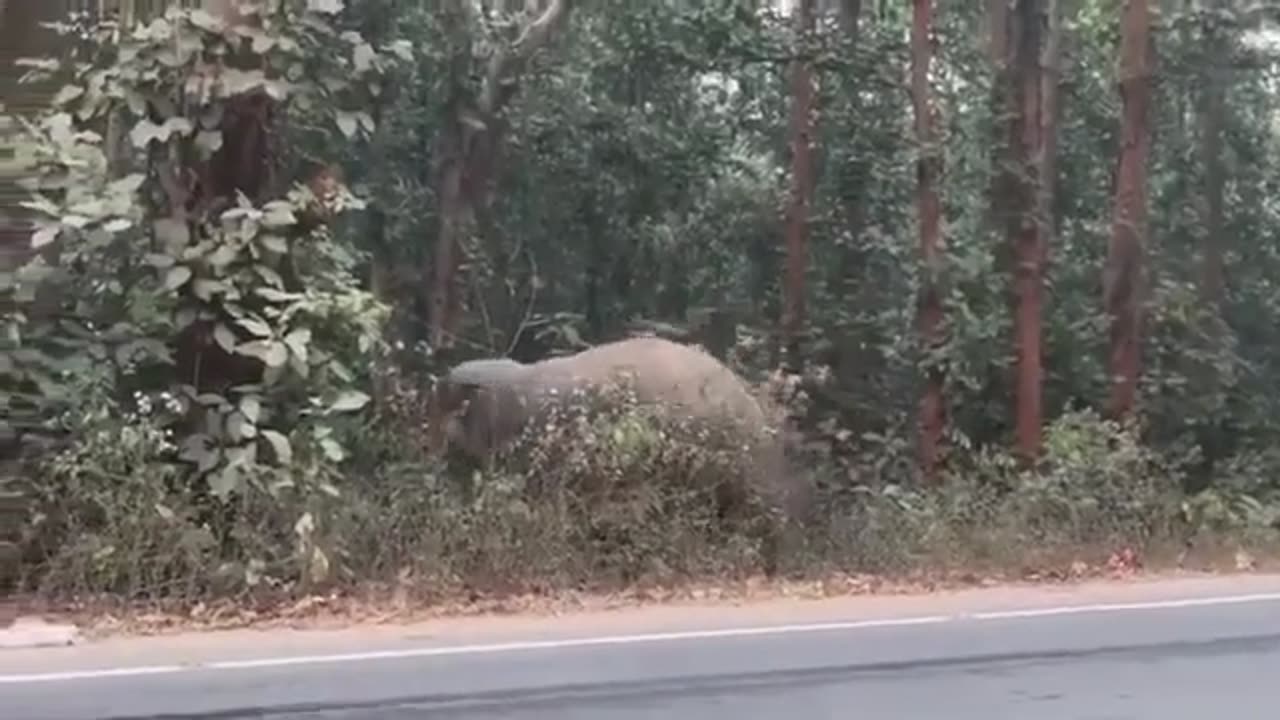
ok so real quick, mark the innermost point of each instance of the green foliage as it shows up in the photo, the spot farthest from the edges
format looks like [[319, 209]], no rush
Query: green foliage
[[1097, 489], [245, 314], [639, 182]]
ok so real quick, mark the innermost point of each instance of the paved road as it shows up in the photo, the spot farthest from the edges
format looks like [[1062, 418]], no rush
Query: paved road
[[1167, 654]]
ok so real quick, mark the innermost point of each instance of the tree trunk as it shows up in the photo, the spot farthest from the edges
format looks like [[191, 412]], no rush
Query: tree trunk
[[928, 170], [850, 15], [469, 148], [1050, 94], [997, 15], [246, 162], [1212, 428], [851, 176], [457, 219], [1001, 176], [1213, 113], [1024, 228], [801, 140], [1123, 277]]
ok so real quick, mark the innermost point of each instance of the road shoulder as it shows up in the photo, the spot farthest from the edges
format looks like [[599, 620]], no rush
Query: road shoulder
[[250, 645]]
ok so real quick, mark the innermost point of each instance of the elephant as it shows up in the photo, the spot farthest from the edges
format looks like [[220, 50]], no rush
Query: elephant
[[487, 403]]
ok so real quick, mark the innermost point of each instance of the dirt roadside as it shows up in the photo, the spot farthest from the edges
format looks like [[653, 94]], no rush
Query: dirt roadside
[[699, 614]]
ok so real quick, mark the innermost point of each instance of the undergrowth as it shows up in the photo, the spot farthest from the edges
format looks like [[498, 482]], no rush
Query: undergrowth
[[596, 502], [221, 424]]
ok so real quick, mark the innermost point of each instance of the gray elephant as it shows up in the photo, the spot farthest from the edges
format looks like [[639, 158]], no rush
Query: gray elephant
[[488, 403]]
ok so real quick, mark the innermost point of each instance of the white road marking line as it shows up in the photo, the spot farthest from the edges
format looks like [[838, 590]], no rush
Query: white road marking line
[[88, 674], [1128, 607], [565, 643]]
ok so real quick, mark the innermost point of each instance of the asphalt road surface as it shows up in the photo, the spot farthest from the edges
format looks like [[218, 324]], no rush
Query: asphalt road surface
[[1167, 650]]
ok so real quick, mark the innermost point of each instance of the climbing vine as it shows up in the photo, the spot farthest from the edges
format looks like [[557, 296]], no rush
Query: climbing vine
[[167, 261]]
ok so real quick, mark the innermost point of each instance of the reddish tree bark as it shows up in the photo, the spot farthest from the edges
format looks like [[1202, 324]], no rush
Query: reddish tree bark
[[1001, 176], [1025, 223], [929, 312], [997, 16], [1050, 93], [801, 195], [1123, 277]]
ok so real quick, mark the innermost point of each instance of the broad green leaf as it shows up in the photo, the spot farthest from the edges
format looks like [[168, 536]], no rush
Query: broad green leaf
[[205, 20], [225, 254], [254, 348], [236, 82], [363, 57], [304, 526], [127, 185], [224, 482], [177, 276], [240, 427], [172, 234], [271, 277], [330, 7], [277, 296], [332, 450], [67, 94], [279, 445], [143, 133], [318, 566], [211, 400], [403, 49], [348, 123], [278, 214], [254, 327], [160, 260], [298, 364], [42, 205], [225, 337], [209, 141], [243, 455], [261, 42], [198, 448], [277, 355], [298, 341], [124, 353], [274, 243], [44, 236], [205, 288], [349, 401], [251, 406]]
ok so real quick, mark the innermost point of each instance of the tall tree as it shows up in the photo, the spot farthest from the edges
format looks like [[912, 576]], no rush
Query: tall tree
[[467, 149], [929, 313], [1050, 96], [1123, 277], [997, 19], [1212, 116], [1024, 223], [850, 15], [802, 182]]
